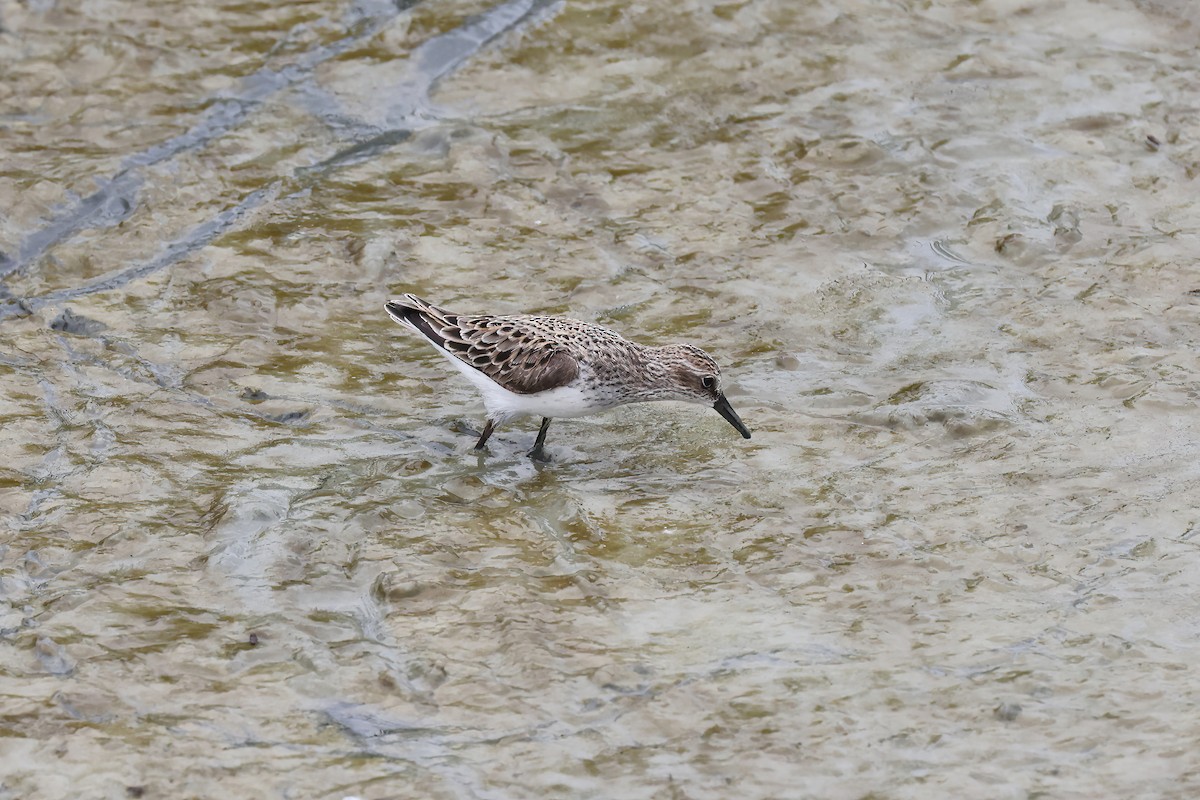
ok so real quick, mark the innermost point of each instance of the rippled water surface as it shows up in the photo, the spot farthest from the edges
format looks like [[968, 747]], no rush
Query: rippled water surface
[[945, 252]]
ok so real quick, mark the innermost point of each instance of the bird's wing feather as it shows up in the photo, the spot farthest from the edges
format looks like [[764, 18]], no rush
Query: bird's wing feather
[[508, 350]]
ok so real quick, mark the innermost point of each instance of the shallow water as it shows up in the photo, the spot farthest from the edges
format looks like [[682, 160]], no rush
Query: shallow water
[[949, 274]]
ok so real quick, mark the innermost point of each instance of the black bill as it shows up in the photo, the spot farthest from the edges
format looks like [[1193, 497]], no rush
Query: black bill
[[725, 410]]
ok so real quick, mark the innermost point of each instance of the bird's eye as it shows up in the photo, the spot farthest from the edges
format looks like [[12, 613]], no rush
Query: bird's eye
[[708, 381]]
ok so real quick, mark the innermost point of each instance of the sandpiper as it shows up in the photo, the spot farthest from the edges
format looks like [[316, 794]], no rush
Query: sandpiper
[[557, 367]]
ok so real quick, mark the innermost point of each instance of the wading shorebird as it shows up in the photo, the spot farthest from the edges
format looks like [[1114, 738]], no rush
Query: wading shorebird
[[557, 367]]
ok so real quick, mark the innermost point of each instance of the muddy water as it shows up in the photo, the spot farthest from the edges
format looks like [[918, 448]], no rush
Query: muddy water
[[946, 253]]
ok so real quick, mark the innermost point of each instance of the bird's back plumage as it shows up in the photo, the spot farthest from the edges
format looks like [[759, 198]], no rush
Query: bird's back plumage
[[523, 354]]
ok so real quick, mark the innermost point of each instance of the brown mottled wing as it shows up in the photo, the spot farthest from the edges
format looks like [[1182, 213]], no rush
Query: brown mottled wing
[[509, 350], [539, 370]]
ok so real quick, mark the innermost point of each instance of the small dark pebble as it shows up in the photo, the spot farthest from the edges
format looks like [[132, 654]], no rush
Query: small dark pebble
[[70, 322], [288, 416], [135, 791], [253, 640], [1007, 711], [1152, 142]]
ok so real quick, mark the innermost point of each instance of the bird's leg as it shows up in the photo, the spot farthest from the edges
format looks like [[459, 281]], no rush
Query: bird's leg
[[483, 437], [537, 453]]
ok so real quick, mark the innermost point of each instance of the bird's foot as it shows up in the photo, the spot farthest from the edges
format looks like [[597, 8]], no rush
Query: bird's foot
[[540, 455]]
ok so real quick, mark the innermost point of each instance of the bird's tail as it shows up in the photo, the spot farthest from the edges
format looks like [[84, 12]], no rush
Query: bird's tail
[[425, 318]]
